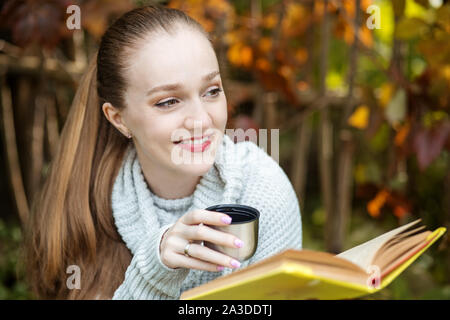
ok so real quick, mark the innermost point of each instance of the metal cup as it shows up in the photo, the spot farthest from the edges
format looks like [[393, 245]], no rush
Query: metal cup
[[244, 225]]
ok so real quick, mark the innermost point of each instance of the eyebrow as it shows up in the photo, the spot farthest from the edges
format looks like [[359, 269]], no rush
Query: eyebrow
[[176, 86]]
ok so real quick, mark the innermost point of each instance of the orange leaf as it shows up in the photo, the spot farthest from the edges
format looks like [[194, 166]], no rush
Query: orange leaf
[[402, 134], [302, 85], [348, 33], [219, 7], [295, 20], [301, 55], [365, 35], [400, 211], [365, 4], [285, 71], [234, 54], [270, 20], [374, 206], [246, 56], [262, 64], [265, 44]]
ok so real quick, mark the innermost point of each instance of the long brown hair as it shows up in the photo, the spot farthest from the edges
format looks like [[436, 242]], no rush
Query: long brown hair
[[71, 219]]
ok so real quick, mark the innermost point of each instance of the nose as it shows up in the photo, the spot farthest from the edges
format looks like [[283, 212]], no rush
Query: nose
[[197, 117]]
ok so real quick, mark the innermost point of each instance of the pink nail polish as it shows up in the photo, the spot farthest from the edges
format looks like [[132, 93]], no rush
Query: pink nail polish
[[235, 263], [220, 268], [226, 219], [239, 243]]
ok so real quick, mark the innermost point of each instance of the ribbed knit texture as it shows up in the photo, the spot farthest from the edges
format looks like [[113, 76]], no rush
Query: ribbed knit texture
[[242, 173]]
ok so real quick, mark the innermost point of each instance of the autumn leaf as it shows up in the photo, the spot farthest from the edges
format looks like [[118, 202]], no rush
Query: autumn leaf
[[395, 111], [443, 17], [270, 20], [301, 55], [399, 203], [240, 54], [218, 8], [265, 44], [232, 37], [385, 94], [295, 20], [400, 211], [302, 85], [360, 117], [428, 143], [96, 14], [365, 35], [234, 53], [374, 206], [410, 28], [402, 134], [286, 71], [246, 56], [263, 65]]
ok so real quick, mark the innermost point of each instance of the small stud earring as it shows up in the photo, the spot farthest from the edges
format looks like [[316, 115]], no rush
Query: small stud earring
[[128, 134]]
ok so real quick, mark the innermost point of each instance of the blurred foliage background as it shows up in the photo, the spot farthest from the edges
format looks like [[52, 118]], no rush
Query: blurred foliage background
[[359, 89]]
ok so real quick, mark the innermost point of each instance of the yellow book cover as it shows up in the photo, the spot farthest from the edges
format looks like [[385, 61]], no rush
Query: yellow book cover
[[306, 274]]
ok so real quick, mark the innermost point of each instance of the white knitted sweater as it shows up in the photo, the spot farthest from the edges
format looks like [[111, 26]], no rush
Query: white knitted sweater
[[242, 173]]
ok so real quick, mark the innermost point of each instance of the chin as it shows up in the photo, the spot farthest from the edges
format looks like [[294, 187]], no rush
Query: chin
[[195, 170], [194, 163]]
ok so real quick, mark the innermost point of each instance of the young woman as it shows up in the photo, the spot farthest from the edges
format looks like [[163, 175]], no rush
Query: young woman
[[119, 204]]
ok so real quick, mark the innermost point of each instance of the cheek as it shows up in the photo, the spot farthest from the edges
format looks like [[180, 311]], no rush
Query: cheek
[[150, 127], [220, 115], [158, 130]]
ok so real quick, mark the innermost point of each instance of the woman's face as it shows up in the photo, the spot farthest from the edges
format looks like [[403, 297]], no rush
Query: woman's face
[[175, 92]]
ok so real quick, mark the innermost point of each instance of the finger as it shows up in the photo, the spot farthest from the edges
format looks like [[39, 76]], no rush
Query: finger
[[206, 217], [193, 263], [205, 233], [211, 256]]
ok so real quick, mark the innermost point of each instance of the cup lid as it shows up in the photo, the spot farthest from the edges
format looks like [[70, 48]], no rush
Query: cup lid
[[238, 208]]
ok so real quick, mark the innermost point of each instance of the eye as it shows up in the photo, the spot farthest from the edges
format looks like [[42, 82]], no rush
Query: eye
[[166, 104], [215, 92]]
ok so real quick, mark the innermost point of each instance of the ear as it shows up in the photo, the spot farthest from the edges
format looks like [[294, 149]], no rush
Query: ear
[[115, 117]]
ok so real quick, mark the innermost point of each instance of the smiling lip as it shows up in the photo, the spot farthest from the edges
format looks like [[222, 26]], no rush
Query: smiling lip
[[192, 139], [195, 147]]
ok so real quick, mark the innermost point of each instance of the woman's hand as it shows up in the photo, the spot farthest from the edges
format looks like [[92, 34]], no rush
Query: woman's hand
[[192, 227]]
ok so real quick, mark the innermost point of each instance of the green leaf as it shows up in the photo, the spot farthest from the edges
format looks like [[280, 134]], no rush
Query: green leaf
[[380, 141], [395, 111]]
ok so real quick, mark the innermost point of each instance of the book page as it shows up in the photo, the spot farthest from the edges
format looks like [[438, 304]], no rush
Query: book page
[[400, 249], [363, 254], [397, 239]]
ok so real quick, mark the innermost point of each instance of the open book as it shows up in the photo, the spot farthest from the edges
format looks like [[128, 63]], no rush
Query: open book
[[306, 274]]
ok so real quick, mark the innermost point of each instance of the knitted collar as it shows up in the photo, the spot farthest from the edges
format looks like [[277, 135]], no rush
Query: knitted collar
[[133, 206]]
